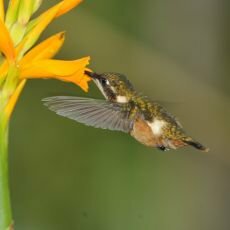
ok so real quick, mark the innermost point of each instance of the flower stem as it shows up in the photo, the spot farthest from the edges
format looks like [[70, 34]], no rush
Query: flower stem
[[6, 222]]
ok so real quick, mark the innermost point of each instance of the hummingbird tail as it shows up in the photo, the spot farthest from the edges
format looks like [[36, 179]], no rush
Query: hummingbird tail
[[196, 144]]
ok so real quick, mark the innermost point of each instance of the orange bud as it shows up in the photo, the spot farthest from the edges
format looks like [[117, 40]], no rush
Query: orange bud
[[45, 50], [40, 24], [14, 98], [2, 13], [67, 6], [3, 69], [6, 44]]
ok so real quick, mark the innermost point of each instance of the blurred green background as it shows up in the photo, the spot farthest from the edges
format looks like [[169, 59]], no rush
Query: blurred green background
[[65, 175]]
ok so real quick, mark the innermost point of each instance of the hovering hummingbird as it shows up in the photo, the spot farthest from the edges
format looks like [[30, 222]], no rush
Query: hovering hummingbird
[[124, 110]]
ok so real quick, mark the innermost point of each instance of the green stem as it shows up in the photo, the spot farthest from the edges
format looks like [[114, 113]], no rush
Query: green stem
[[6, 91], [6, 222]]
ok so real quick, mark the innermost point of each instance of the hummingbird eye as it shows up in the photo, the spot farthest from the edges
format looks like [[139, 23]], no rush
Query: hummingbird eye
[[104, 82]]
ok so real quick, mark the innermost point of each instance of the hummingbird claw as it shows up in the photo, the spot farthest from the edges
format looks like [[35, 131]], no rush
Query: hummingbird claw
[[162, 148]]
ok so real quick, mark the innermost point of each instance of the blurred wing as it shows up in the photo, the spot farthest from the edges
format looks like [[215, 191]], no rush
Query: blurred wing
[[91, 112]]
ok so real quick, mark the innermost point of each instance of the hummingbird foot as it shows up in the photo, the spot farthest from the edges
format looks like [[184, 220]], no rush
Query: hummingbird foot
[[162, 148]]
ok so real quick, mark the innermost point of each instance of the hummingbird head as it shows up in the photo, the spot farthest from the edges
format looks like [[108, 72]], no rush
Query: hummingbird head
[[114, 86]]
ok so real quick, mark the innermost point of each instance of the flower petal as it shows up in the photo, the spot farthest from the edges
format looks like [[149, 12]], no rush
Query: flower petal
[[2, 13], [6, 44], [13, 99], [45, 50], [67, 6], [84, 82], [3, 69], [39, 25], [69, 71], [80, 79], [49, 68]]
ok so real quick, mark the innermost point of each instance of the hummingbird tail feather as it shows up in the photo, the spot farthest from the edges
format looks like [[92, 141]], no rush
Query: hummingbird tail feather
[[196, 145]]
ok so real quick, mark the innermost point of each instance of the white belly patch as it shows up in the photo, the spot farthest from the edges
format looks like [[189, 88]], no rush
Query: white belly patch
[[121, 99], [157, 126]]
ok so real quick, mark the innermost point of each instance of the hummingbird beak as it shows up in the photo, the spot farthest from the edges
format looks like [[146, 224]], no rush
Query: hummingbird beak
[[94, 76]]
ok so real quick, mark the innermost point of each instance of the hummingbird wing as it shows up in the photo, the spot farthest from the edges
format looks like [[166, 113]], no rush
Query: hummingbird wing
[[92, 112]]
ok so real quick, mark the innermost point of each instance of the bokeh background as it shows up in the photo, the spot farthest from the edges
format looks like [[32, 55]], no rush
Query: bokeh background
[[65, 175]]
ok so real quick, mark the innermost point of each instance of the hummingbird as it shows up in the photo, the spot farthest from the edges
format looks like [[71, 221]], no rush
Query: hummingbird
[[126, 110]]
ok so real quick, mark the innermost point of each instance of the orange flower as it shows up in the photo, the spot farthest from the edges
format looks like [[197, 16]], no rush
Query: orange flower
[[20, 62]]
